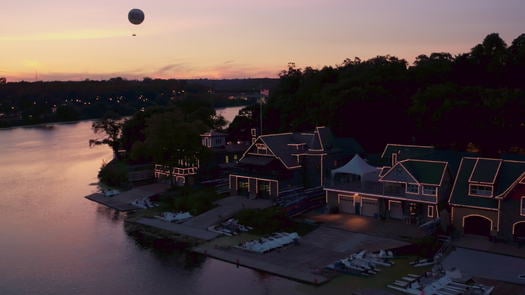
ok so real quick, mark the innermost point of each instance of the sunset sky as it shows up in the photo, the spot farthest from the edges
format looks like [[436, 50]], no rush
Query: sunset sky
[[76, 40]]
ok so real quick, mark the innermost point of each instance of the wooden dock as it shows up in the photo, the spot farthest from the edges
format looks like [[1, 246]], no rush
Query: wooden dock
[[259, 263], [122, 201]]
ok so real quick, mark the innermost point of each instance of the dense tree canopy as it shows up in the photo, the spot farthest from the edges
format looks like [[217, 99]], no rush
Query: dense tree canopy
[[476, 97]]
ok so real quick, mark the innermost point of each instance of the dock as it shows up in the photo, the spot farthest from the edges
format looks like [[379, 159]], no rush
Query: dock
[[179, 229], [295, 261], [259, 263], [197, 226], [122, 202]]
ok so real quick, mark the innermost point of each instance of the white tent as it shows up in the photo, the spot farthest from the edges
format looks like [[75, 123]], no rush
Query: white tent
[[358, 166]]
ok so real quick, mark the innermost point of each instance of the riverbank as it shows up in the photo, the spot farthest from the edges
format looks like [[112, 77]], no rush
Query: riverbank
[[338, 236]]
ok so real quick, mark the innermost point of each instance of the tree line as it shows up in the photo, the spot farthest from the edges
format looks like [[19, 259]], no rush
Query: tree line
[[24, 102], [471, 99]]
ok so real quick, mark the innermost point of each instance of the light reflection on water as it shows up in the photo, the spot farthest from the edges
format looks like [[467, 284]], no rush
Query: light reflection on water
[[54, 241], [229, 113]]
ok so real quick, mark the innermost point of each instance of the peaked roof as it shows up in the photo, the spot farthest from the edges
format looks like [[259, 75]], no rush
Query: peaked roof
[[280, 145], [287, 146], [426, 172], [421, 152], [356, 166], [405, 151], [420, 171], [509, 173]]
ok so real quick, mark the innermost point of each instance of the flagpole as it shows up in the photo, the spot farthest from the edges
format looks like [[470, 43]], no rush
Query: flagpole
[[263, 94], [260, 112]]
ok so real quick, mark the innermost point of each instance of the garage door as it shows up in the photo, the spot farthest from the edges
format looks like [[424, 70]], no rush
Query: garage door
[[346, 205], [369, 207], [396, 210], [477, 225]]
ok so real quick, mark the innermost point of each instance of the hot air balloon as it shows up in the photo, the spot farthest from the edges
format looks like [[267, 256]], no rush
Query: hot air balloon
[[136, 16]]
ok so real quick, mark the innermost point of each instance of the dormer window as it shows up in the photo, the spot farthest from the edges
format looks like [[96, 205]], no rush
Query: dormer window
[[480, 190], [261, 149], [429, 190], [412, 188]]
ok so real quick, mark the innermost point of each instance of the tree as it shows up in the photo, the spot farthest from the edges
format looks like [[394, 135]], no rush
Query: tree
[[111, 126], [174, 142]]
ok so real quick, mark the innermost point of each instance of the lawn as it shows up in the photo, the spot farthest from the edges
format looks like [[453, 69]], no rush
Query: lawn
[[347, 283]]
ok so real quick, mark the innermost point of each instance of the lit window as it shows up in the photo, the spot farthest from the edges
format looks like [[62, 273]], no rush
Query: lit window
[[227, 159], [244, 185], [412, 188], [480, 190], [429, 190]]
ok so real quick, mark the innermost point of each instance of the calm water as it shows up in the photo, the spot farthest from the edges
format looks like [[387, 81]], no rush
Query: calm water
[[229, 113], [54, 241]]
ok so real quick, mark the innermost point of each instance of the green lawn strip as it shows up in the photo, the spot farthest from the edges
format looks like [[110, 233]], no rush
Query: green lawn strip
[[386, 276]]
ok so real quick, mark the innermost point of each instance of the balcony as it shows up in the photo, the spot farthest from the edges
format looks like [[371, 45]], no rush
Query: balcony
[[378, 188], [161, 170]]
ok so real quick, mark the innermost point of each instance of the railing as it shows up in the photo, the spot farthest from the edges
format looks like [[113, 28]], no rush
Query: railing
[[298, 200], [378, 188], [175, 171]]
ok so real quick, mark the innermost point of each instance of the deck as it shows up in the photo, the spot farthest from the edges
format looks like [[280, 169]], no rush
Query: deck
[[122, 202]]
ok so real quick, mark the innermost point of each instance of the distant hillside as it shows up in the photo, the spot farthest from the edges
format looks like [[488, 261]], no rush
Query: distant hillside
[[237, 85]]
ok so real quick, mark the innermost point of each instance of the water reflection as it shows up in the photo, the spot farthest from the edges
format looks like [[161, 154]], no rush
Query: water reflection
[[110, 214], [168, 251], [54, 241]]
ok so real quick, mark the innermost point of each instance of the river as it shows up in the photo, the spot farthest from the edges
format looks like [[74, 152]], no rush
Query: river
[[54, 241]]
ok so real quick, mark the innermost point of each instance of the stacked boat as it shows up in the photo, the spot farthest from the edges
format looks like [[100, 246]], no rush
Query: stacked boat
[[363, 263], [110, 192], [272, 242], [144, 203], [230, 227], [177, 217], [447, 283]]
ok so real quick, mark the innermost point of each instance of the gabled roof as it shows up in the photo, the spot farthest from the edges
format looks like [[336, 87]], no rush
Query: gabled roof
[[421, 152], [257, 161], [405, 151], [278, 144], [398, 173], [426, 172], [287, 146], [420, 171], [510, 172]]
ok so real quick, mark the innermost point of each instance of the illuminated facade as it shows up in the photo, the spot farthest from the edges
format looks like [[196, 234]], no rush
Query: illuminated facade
[[488, 198]]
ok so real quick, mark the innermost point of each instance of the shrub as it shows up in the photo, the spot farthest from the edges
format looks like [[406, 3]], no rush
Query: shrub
[[114, 174]]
